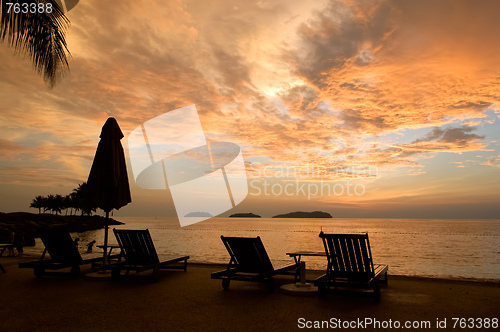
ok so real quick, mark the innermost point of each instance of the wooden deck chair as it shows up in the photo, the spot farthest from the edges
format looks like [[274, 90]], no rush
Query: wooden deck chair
[[350, 265], [139, 254], [3, 247], [249, 262], [63, 254]]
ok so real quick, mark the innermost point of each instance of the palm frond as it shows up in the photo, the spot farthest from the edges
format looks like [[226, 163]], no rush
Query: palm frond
[[41, 36]]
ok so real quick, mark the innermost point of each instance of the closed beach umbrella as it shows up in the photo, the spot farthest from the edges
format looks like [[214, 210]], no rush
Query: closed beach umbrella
[[107, 185]]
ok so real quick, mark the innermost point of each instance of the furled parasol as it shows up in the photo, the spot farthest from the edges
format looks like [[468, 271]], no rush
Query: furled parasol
[[107, 185]]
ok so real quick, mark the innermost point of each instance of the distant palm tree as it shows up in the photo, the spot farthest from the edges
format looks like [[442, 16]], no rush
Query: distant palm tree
[[39, 35], [68, 204], [58, 204], [49, 203], [38, 203], [73, 202]]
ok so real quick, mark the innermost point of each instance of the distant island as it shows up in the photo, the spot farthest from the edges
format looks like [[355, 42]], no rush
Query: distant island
[[244, 215], [300, 214], [199, 214]]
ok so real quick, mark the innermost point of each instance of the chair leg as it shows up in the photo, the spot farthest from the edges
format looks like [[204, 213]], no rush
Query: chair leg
[[383, 281], [115, 274], [75, 271], [322, 291], [156, 273], [39, 271], [376, 290], [270, 285], [225, 283]]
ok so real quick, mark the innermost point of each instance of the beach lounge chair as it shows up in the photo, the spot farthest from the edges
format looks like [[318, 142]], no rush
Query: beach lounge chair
[[350, 265], [249, 262], [63, 254], [139, 254], [3, 247]]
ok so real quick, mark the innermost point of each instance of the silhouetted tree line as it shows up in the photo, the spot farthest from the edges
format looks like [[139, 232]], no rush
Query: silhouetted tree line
[[72, 203]]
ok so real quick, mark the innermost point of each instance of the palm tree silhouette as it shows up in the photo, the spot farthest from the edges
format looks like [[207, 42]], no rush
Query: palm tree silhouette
[[58, 204], [38, 203], [49, 203], [39, 35], [76, 200]]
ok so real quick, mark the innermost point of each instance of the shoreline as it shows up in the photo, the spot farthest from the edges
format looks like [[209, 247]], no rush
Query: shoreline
[[31, 224], [31, 254], [314, 272]]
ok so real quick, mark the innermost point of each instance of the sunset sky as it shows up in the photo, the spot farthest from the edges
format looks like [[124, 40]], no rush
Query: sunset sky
[[409, 90]]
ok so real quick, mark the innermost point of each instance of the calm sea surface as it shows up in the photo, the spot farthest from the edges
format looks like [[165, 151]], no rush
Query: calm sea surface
[[411, 247]]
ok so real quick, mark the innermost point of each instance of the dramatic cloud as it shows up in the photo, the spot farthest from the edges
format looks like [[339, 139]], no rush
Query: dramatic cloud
[[400, 64], [337, 84], [444, 140]]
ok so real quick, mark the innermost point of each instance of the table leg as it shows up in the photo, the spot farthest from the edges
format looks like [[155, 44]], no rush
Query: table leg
[[302, 287], [303, 273], [297, 268], [109, 255]]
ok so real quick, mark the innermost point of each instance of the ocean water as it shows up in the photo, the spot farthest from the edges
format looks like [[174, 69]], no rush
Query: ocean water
[[412, 247]]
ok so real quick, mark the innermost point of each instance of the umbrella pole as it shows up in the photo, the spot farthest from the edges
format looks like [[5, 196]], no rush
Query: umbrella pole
[[105, 256]]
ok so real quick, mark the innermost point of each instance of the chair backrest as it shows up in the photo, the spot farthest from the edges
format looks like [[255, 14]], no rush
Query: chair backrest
[[137, 246], [248, 254], [349, 256], [61, 247]]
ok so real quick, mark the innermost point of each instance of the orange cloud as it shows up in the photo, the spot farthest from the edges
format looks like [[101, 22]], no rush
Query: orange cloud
[[444, 140], [494, 162]]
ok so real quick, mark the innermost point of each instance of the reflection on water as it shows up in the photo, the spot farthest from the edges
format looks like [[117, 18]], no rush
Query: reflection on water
[[436, 248]]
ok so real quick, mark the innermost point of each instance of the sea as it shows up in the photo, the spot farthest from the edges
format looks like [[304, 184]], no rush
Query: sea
[[436, 248]]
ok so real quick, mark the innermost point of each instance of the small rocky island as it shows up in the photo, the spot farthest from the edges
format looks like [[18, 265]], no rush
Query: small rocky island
[[300, 214], [244, 215]]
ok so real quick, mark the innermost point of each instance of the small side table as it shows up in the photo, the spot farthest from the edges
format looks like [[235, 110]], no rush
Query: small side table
[[111, 247], [303, 287]]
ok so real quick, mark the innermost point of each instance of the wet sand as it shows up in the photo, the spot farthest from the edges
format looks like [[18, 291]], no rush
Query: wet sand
[[191, 301]]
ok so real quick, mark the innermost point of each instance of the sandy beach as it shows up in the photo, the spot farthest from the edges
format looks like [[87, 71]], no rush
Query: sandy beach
[[191, 301]]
